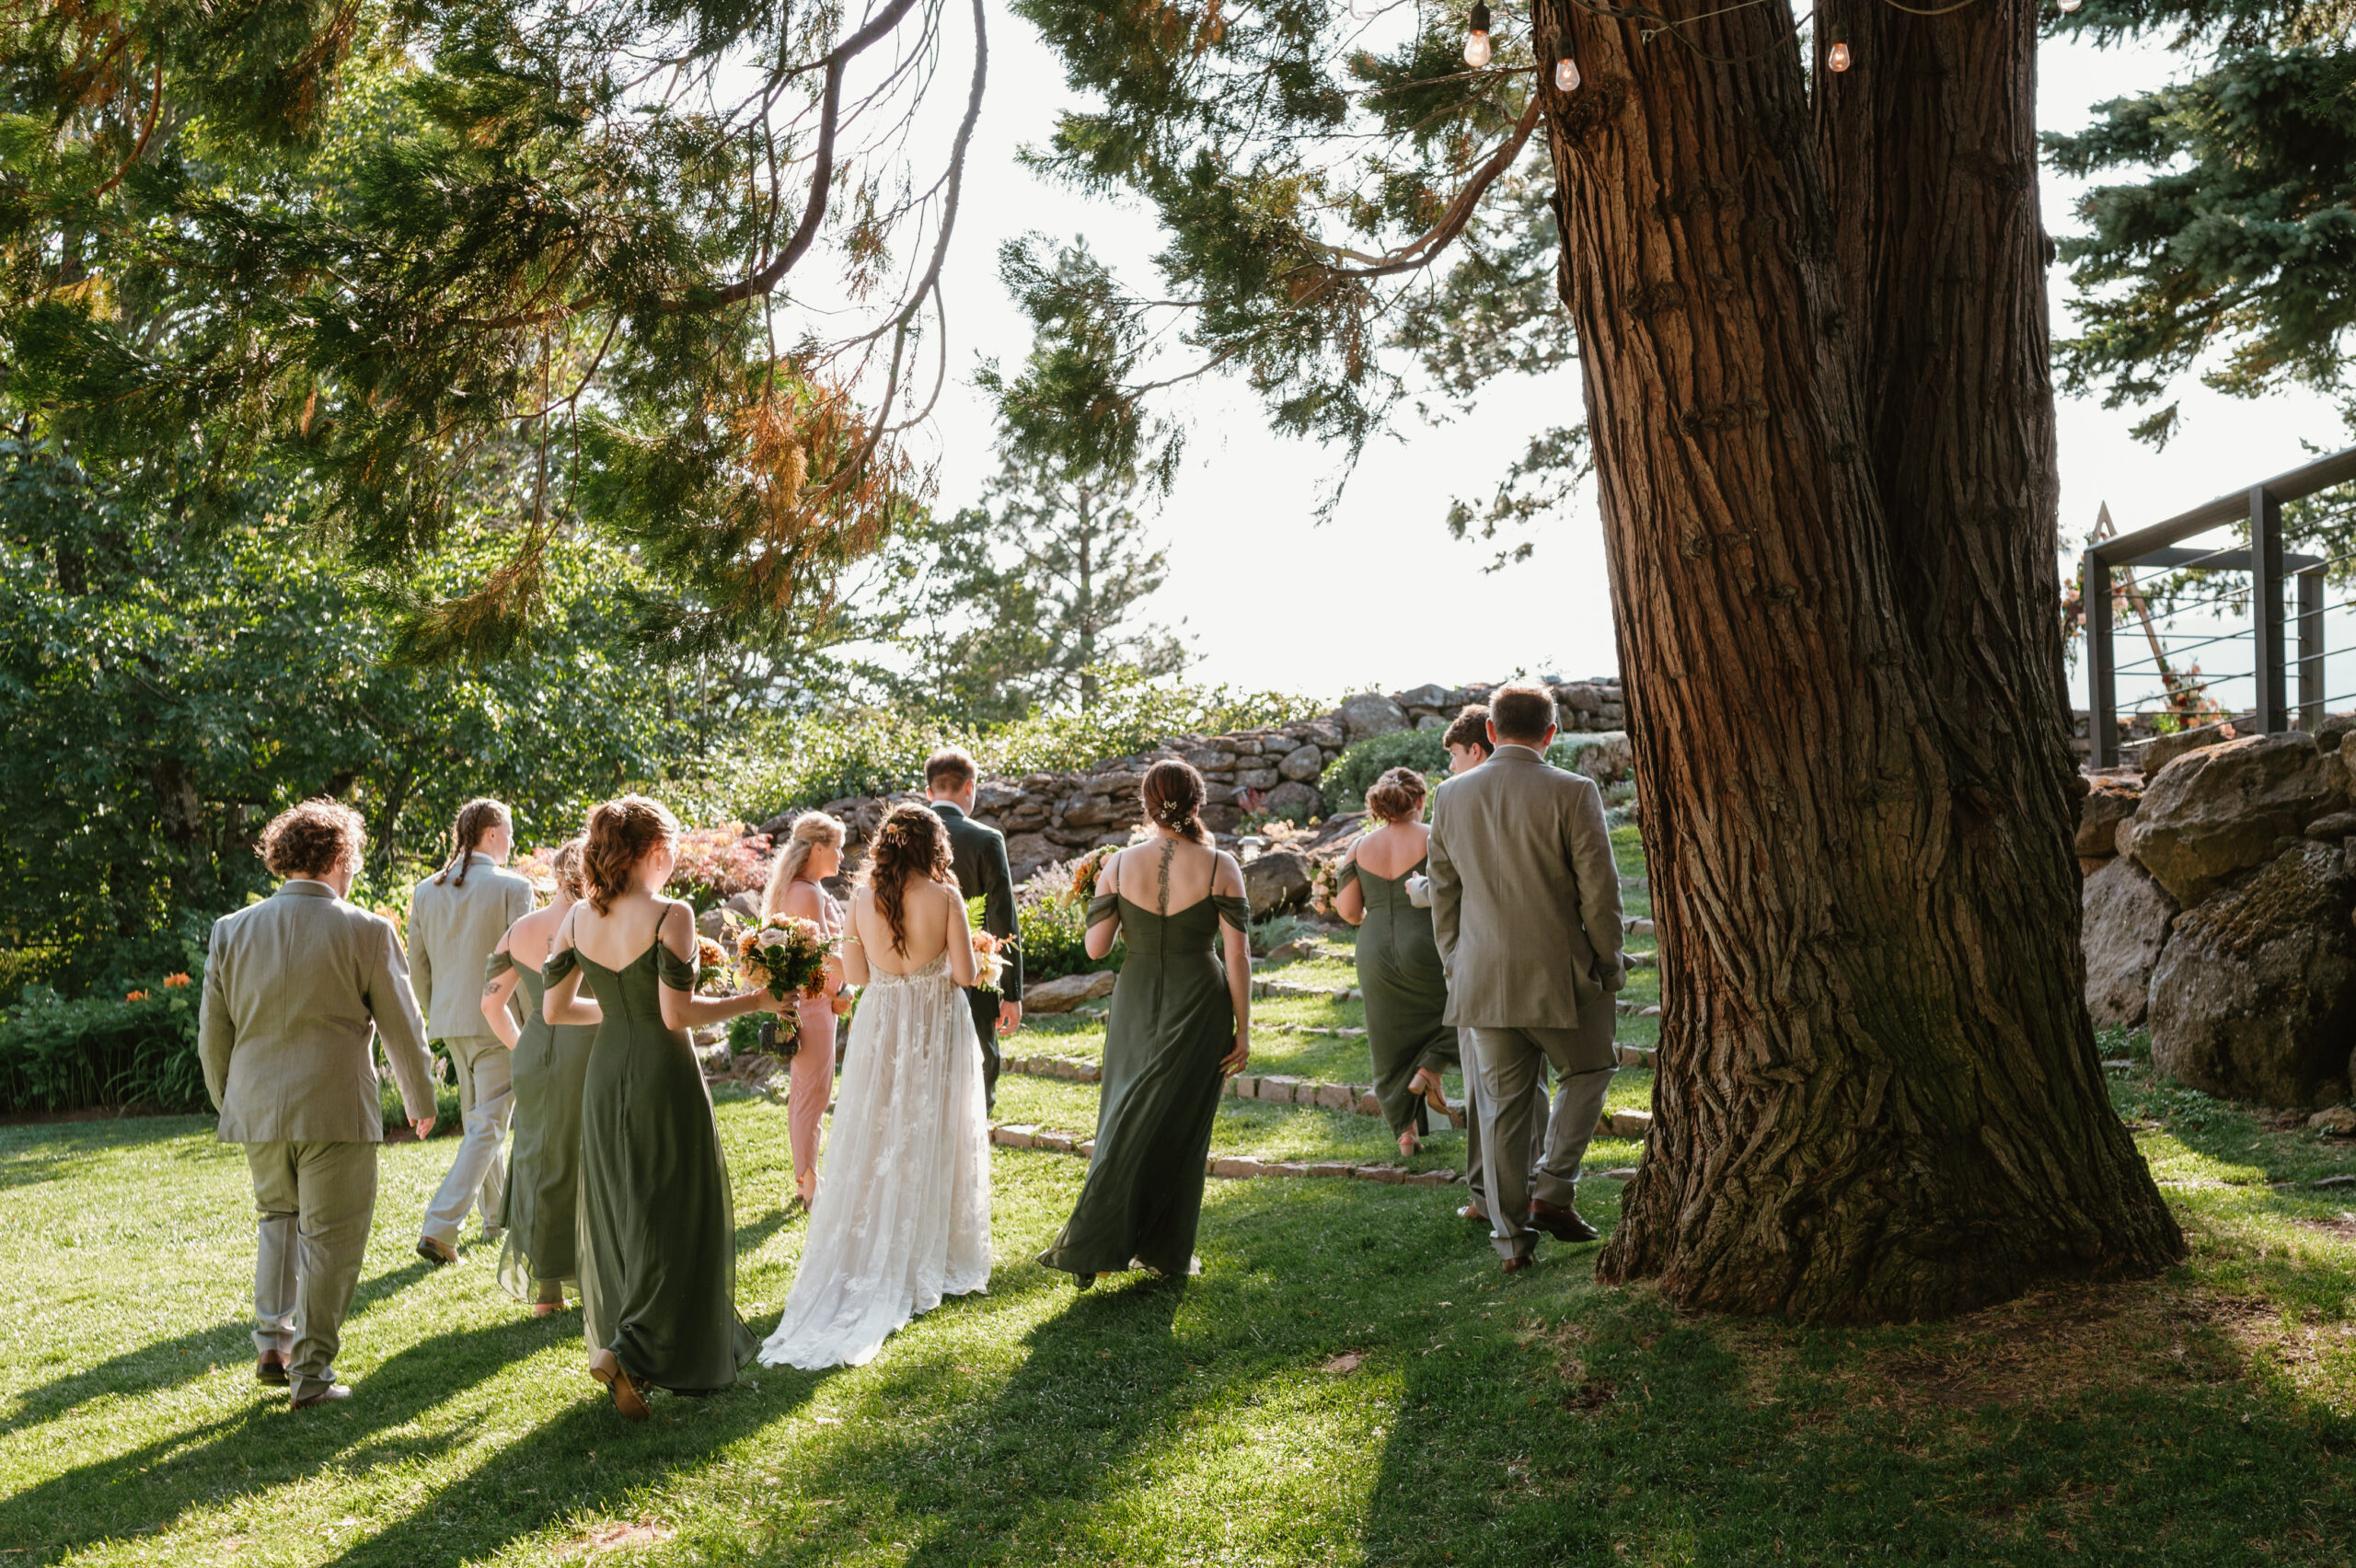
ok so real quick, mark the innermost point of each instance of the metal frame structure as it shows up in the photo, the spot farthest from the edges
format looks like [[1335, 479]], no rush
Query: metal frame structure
[[2267, 565]]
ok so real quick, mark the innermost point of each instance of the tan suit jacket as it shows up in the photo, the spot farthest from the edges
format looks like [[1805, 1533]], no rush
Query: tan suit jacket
[[295, 986], [453, 928], [1525, 895]]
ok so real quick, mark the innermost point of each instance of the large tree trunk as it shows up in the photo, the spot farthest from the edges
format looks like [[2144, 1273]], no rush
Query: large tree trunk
[[1825, 456]]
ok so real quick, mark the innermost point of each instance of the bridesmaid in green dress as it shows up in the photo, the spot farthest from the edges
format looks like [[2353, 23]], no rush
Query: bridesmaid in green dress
[[538, 1214], [1181, 1022], [1399, 968], [658, 1231]]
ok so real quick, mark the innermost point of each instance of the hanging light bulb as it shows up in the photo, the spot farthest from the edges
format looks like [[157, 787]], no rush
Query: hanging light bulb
[[1566, 75], [2069, 5], [1837, 57], [1477, 42]]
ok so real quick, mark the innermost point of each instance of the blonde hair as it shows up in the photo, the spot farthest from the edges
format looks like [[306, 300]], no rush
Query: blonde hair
[[809, 830], [564, 866]]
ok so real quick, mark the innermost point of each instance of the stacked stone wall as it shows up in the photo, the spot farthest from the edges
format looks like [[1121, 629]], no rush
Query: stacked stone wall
[[1049, 817]]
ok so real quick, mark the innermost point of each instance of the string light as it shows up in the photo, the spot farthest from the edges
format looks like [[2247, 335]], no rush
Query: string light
[[1477, 42], [1566, 75], [1837, 57]]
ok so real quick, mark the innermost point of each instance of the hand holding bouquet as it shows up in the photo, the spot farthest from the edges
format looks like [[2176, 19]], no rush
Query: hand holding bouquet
[[711, 968], [989, 961], [787, 958], [1084, 872]]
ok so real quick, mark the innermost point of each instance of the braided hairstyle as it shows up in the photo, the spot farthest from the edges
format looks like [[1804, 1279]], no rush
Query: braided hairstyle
[[621, 834], [910, 845], [476, 818], [565, 867], [1172, 794]]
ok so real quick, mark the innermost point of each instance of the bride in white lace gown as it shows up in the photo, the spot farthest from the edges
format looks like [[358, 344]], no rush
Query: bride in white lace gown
[[903, 1212]]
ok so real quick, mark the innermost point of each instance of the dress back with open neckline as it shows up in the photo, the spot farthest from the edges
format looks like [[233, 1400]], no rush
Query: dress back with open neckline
[[937, 966]]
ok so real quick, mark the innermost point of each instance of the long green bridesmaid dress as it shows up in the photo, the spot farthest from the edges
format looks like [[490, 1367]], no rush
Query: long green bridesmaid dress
[[1172, 1022], [658, 1227], [540, 1213], [1405, 991]]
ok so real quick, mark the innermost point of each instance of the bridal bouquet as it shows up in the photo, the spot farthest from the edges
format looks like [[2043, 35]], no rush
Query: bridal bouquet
[[1084, 872], [1324, 886], [989, 961], [786, 958], [711, 968]]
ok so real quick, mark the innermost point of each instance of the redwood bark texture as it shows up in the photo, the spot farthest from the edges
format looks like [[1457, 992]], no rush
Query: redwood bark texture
[[1814, 338]]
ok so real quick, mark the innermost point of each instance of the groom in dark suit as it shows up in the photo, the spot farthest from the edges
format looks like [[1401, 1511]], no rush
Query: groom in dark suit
[[979, 855]]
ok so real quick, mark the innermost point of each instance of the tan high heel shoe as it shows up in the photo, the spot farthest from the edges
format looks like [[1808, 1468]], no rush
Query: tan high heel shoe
[[607, 1368], [1427, 1083]]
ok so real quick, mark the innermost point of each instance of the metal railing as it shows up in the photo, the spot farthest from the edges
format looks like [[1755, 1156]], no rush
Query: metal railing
[[2268, 569]]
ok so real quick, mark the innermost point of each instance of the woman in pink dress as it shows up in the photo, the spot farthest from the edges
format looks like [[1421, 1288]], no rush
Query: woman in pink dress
[[813, 852]]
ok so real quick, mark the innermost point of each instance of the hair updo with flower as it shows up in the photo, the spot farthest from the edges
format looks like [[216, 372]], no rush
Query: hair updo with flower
[[911, 846], [1172, 794]]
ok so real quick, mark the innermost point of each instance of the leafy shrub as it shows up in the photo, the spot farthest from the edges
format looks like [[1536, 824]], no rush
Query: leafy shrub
[[1055, 941], [139, 1050], [1349, 776]]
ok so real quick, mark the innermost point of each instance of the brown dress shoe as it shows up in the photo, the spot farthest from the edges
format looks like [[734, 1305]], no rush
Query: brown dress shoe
[[271, 1369], [1561, 1222], [435, 1252]]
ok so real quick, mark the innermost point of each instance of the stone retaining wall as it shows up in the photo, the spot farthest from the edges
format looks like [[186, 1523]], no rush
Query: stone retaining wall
[[1049, 817]]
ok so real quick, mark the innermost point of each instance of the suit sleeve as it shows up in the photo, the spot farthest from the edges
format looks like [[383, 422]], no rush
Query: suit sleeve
[[998, 914], [216, 1030], [1448, 888], [422, 978], [393, 1004], [1598, 875]]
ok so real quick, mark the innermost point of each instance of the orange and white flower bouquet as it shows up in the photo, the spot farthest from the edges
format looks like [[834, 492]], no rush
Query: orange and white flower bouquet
[[786, 956]]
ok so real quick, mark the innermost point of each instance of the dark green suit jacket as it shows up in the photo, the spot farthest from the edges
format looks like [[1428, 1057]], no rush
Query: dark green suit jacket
[[978, 856]]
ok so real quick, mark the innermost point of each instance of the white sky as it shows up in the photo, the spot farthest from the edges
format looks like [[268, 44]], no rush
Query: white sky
[[1272, 600]]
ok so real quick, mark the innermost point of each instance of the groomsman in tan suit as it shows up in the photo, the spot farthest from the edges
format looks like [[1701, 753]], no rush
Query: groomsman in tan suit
[[296, 989], [1526, 908], [455, 918]]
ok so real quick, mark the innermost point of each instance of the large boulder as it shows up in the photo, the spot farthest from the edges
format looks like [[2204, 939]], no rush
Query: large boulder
[[1607, 758], [1369, 713], [2219, 810], [1067, 991], [1275, 881], [1294, 799], [1026, 852], [2254, 997], [1303, 764], [2126, 916], [2161, 750], [2109, 802]]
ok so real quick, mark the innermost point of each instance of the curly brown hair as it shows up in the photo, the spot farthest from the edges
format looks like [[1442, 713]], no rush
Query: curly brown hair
[[565, 867], [910, 845], [1398, 796], [1172, 794], [621, 834], [313, 839]]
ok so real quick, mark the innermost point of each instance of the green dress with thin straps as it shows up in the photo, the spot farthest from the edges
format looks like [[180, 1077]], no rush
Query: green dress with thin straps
[[658, 1227], [540, 1211], [1405, 991], [1172, 1022]]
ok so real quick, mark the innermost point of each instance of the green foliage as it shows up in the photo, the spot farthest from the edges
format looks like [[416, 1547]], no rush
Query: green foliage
[[1055, 935], [1349, 776], [2232, 234], [167, 691], [65, 1056]]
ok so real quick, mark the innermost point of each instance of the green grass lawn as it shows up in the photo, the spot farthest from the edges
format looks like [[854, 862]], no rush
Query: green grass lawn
[[1349, 1381]]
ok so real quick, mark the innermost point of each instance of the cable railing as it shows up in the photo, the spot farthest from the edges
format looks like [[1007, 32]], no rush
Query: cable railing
[[2284, 591]]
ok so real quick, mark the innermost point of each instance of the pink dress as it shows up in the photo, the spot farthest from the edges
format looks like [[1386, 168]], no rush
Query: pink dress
[[813, 1068]]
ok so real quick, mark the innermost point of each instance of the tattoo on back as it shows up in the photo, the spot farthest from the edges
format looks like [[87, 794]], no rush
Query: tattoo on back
[[1161, 891]]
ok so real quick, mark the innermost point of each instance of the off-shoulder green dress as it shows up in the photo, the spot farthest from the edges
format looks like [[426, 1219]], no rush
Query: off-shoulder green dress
[[1405, 990], [1172, 1022], [540, 1213], [658, 1225]]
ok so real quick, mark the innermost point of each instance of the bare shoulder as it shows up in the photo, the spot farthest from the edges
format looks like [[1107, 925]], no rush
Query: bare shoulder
[[1227, 872], [678, 925]]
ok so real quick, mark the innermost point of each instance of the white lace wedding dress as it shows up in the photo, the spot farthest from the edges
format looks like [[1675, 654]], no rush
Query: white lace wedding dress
[[903, 1214]]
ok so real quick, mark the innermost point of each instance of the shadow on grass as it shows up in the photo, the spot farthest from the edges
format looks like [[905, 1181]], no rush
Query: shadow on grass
[[182, 1359], [261, 1448], [36, 1152]]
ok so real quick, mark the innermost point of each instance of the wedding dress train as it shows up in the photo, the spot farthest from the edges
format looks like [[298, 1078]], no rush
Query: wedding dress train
[[903, 1214]]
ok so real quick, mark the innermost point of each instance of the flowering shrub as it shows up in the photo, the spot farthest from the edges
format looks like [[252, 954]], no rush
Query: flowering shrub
[[62, 1055], [716, 863]]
